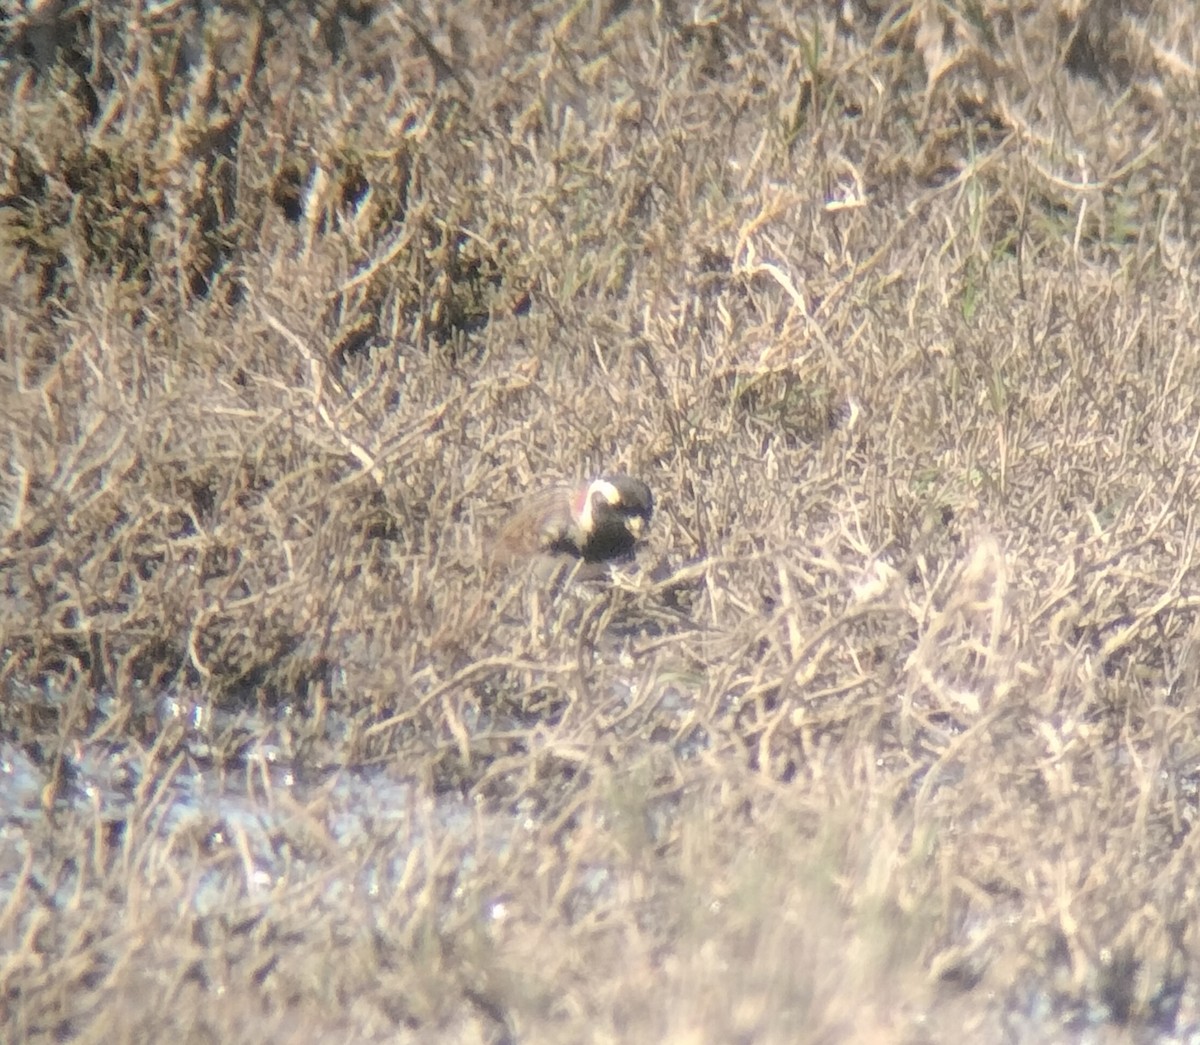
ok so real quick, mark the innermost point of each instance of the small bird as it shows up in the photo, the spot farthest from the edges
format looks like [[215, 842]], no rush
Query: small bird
[[597, 522]]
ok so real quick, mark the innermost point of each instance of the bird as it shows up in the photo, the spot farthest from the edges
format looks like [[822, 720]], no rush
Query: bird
[[592, 523]]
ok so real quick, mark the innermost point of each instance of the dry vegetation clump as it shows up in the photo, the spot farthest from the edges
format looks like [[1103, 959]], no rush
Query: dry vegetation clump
[[889, 734]]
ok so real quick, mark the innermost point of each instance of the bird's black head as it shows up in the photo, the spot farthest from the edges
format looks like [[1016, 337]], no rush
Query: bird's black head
[[615, 516]]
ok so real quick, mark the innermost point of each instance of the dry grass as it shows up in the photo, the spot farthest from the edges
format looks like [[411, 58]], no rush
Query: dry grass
[[891, 738]]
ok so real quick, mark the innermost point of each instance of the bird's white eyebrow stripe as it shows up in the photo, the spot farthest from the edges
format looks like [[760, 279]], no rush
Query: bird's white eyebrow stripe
[[606, 490], [602, 486]]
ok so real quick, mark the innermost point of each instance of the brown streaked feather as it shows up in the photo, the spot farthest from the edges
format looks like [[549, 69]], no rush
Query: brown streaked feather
[[541, 523]]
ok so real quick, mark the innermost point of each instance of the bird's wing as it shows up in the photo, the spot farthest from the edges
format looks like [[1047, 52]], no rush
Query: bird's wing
[[542, 521]]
